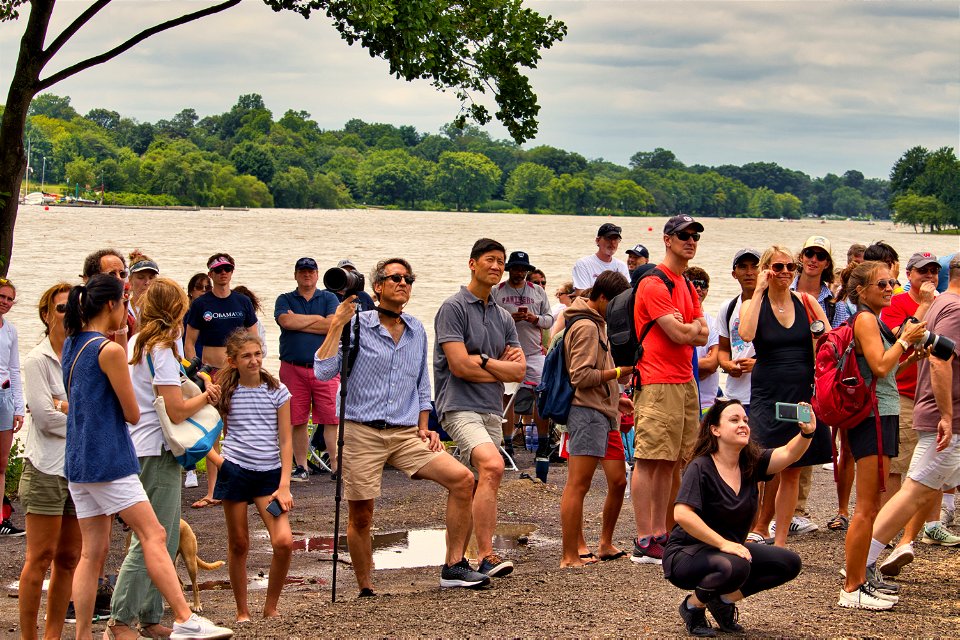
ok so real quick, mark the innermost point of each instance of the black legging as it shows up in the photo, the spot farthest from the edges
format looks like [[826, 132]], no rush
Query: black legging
[[711, 573]]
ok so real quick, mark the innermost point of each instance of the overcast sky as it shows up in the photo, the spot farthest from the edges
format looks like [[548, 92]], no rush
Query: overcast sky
[[815, 86]]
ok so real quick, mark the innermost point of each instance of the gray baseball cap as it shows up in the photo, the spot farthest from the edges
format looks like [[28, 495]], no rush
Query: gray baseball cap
[[745, 252]]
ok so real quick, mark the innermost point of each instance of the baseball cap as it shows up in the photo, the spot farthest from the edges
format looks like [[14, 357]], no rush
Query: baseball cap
[[753, 253], [608, 229], [219, 261], [817, 241], [306, 263], [639, 250], [346, 263], [144, 265], [917, 260], [679, 223], [519, 259]]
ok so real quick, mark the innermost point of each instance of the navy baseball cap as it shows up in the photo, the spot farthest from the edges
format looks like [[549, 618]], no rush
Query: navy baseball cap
[[306, 263]]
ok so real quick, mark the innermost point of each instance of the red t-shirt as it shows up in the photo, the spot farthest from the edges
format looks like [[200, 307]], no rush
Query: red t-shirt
[[902, 306], [664, 361]]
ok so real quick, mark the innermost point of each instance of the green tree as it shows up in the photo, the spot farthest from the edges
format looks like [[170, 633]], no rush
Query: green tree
[[80, 172], [527, 186], [763, 204], [659, 158], [571, 194], [253, 159], [395, 176], [790, 206], [632, 197], [50, 105], [472, 47], [558, 160], [847, 201], [907, 169], [290, 188], [464, 180], [925, 211]]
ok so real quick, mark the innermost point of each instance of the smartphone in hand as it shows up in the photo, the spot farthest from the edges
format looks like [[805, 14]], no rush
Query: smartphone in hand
[[274, 508], [789, 412]]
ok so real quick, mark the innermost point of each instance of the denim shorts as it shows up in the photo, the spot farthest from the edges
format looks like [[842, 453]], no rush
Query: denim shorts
[[237, 484], [6, 409]]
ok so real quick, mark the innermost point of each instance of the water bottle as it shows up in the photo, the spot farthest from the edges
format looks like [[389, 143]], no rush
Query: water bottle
[[528, 431]]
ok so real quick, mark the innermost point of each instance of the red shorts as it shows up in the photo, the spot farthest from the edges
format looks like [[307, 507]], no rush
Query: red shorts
[[307, 392], [614, 447]]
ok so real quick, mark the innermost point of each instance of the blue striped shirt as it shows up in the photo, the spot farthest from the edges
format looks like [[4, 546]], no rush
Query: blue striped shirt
[[390, 381]]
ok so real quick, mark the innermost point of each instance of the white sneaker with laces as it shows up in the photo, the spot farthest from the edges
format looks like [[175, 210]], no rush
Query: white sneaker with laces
[[190, 481], [864, 597], [196, 628], [897, 560]]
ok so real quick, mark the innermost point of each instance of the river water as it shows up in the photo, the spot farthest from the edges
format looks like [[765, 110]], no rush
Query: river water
[[50, 246]]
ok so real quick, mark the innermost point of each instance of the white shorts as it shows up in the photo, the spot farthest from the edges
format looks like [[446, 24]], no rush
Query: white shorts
[[937, 470], [106, 498], [470, 429]]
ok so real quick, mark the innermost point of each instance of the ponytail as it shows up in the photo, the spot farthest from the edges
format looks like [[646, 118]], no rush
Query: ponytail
[[85, 302]]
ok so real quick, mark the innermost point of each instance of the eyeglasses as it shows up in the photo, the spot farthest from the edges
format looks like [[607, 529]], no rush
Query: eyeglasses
[[686, 235], [814, 253], [928, 270], [396, 278], [61, 308], [203, 287], [121, 274], [224, 268], [700, 284], [883, 284], [780, 266]]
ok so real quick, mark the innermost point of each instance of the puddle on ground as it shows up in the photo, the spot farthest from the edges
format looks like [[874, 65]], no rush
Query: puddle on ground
[[256, 584], [418, 547]]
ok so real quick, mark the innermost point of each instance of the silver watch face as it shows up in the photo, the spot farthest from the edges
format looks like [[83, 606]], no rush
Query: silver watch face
[[817, 327]]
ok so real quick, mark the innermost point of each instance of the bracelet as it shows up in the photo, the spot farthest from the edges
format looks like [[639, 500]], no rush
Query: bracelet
[[58, 405], [903, 343], [808, 436], [617, 371]]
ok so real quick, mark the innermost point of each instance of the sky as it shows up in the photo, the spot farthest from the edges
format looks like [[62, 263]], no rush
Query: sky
[[817, 86]]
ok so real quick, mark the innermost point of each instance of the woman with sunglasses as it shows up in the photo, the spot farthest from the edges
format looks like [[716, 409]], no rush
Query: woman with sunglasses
[[778, 322], [879, 352], [11, 392], [815, 277], [566, 294], [53, 534]]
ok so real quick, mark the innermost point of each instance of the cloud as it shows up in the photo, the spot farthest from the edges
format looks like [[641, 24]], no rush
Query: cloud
[[815, 86]]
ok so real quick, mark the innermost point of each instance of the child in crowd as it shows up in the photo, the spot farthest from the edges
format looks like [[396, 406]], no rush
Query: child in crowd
[[255, 465]]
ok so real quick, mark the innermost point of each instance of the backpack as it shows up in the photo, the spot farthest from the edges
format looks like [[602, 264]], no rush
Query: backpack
[[555, 393], [841, 397], [625, 346]]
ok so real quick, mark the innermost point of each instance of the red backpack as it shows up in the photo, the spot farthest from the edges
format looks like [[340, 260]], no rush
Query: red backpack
[[841, 397]]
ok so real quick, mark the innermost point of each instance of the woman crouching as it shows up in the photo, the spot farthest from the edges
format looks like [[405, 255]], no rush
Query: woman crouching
[[715, 506]]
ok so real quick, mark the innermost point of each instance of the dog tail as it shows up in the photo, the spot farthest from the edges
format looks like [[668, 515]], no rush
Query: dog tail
[[209, 566]]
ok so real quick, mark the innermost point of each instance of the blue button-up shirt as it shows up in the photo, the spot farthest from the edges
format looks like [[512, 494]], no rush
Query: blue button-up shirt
[[390, 381]]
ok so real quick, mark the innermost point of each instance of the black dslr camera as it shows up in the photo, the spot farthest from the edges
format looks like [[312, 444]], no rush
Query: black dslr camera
[[349, 282], [941, 347]]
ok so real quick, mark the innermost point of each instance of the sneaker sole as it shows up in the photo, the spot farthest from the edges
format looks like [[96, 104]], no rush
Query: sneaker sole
[[299, 480], [463, 584], [13, 535], [861, 605], [500, 570], [645, 560], [893, 568], [926, 540]]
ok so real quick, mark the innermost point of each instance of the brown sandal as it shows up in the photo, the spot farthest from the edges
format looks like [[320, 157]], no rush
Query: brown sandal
[[205, 502]]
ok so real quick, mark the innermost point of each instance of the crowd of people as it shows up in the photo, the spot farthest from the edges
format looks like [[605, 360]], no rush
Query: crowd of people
[[719, 473]]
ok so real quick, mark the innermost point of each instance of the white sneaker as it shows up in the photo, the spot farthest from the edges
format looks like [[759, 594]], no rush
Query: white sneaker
[[864, 597], [190, 481], [197, 627], [947, 515], [828, 466], [798, 525], [939, 534], [897, 560]]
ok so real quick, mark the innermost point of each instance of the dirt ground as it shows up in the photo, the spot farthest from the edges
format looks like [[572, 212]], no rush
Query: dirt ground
[[609, 599]]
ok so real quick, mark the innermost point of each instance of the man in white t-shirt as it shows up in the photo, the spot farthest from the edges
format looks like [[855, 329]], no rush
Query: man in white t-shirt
[[587, 268], [737, 357]]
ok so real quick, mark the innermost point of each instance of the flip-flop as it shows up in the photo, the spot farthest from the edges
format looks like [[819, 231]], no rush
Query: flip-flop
[[589, 557], [205, 502], [614, 556], [838, 523]]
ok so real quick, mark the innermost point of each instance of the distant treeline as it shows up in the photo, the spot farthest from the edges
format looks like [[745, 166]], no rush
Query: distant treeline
[[245, 157]]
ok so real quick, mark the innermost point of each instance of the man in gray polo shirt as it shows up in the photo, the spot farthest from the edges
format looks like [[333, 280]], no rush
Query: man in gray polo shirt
[[477, 350]]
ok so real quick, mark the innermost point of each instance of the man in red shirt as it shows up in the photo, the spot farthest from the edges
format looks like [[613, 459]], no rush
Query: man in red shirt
[[666, 402]]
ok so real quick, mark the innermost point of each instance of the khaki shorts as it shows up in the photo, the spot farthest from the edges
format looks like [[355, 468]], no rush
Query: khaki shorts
[[366, 450], [937, 470], [908, 438], [665, 417], [469, 429], [44, 494]]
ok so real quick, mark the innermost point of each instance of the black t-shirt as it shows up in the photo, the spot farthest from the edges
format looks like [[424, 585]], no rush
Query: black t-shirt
[[727, 513], [216, 318]]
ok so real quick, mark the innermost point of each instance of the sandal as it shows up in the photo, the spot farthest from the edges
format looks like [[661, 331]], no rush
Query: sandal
[[614, 556], [838, 523], [755, 538], [588, 558], [205, 502]]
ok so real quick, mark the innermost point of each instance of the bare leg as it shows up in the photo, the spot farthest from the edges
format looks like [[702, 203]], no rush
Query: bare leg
[[212, 470], [616, 475], [674, 488], [330, 432], [909, 506], [61, 576], [803, 490], [861, 525], [486, 459], [6, 441], [768, 505], [44, 539], [845, 475], [301, 444], [282, 542], [785, 502], [238, 544], [893, 484], [95, 532], [458, 481], [650, 492], [359, 542], [580, 471]]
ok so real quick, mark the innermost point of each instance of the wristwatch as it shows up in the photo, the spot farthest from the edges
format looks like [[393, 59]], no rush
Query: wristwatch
[[484, 359]]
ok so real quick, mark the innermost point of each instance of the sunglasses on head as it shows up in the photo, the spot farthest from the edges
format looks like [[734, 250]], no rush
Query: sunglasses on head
[[700, 284], [224, 268], [883, 284], [686, 235], [777, 267], [396, 278], [815, 253]]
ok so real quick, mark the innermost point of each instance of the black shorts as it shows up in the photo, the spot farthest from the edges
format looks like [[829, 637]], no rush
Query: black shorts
[[863, 437], [237, 484]]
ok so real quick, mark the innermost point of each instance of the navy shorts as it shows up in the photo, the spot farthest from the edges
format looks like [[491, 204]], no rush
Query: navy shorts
[[237, 484], [863, 437]]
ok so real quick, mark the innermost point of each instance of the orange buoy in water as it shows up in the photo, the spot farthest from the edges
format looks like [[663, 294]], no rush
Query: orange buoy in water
[[649, 228], [46, 208]]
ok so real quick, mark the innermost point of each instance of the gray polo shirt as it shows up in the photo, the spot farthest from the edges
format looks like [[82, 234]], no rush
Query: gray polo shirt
[[483, 328]]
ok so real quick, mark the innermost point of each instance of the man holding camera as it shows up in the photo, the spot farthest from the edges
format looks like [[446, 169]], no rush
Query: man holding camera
[[386, 415], [304, 318], [477, 350]]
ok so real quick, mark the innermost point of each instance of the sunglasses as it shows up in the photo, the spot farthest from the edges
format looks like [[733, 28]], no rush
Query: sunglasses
[[122, 274], [700, 284], [61, 308], [883, 284], [780, 266], [928, 271], [813, 253], [224, 268], [396, 278], [686, 235], [203, 287]]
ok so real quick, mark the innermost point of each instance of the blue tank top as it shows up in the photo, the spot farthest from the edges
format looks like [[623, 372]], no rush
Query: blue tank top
[[99, 448]]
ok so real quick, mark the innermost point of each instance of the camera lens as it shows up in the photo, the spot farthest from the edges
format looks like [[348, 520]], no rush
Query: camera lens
[[338, 279], [941, 346]]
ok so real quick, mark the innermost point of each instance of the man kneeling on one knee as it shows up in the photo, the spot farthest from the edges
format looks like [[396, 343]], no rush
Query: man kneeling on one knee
[[386, 412]]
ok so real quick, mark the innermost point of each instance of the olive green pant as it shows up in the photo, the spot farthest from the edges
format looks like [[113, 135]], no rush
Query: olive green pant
[[134, 597]]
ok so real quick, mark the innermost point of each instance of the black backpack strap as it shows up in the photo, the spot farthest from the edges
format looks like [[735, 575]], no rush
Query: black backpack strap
[[730, 307]]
